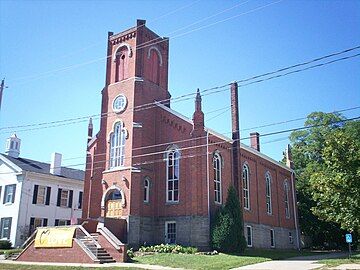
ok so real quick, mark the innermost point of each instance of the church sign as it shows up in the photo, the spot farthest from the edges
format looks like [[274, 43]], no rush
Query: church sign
[[54, 237]]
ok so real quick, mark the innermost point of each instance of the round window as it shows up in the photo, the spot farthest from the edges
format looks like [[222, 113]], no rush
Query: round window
[[119, 103]]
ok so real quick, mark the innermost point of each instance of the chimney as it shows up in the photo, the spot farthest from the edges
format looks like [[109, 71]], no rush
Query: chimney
[[55, 166], [288, 155], [255, 140], [235, 119], [90, 130], [12, 148]]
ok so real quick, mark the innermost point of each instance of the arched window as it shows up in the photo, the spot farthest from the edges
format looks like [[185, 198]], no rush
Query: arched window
[[155, 62], [117, 146], [121, 63], [286, 199], [172, 175], [268, 193], [146, 189], [217, 177], [246, 186]]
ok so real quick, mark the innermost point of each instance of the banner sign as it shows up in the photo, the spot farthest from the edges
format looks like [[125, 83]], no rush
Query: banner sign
[[54, 237]]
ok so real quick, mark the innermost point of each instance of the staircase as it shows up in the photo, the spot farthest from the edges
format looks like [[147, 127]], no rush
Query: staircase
[[101, 253]]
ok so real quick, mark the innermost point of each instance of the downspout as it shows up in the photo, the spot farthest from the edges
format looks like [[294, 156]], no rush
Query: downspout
[[295, 211], [207, 172]]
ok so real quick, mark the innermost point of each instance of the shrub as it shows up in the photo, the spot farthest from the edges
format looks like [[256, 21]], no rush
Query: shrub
[[227, 227], [5, 244], [130, 253], [168, 249]]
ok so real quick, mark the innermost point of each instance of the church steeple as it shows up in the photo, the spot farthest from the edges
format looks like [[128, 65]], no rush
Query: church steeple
[[13, 146]]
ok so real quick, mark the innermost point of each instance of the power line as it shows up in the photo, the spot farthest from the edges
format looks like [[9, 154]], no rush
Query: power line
[[144, 45], [212, 89], [210, 144]]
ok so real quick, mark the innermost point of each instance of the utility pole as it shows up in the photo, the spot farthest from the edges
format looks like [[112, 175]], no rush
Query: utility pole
[[2, 87]]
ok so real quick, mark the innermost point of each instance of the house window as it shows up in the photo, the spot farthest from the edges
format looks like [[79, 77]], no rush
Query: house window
[[172, 165], [80, 200], [217, 177], [5, 227], [291, 239], [9, 194], [268, 193], [62, 222], [170, 236], [286, 199], [146, 189], [272, 238], [246, 185], [37, 222], [64, 198], [117, 146], [41, 195], [249, 236]]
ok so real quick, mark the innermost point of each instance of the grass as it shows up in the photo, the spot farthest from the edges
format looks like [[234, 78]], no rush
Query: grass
[[355, 258], [44, 267], [221, 261], [8, 252]]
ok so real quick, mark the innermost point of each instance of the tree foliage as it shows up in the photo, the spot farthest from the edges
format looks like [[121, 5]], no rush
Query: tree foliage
[[227, 230], [318, 152]]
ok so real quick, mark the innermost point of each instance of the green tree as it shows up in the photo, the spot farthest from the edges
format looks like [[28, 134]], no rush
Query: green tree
[[307, 152], [227, 230], [336, 185]]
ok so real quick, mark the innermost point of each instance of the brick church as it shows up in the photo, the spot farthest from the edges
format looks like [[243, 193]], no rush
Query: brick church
[[155, 176]]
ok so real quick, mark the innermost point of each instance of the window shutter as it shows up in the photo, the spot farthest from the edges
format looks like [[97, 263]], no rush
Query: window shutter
[[58, 197], [31, 227], [8, 236], [48, 192], [0, 190], [13, 197], [80, 199], [45, 220], [1, 222], [70, 198], [4, 195], [56, 222], [36, 187], [68, 222]]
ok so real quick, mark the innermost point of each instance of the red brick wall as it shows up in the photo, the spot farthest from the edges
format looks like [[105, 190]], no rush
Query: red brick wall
[[118, 255], [61, 255]]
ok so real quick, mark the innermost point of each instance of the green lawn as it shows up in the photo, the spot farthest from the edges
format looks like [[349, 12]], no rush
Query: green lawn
[[221, 261], [335, 262]]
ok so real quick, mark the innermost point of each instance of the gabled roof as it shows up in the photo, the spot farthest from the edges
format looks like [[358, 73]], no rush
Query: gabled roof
[[225, 138], [44, 168]]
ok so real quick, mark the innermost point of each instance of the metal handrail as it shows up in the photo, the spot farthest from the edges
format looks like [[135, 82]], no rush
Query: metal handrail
[[27, 241]]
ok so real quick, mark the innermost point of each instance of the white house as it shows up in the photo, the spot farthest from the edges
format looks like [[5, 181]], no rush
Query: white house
[[34, 194]]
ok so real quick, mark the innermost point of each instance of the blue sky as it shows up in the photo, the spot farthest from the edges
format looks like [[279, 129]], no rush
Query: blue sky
[[52, 56]]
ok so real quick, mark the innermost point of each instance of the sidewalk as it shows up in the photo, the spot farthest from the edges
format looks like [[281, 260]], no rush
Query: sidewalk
[[86, 265], [296, 263]]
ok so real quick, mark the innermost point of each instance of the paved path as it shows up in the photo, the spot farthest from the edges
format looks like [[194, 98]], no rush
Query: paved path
[[296, 263], [87, 265]]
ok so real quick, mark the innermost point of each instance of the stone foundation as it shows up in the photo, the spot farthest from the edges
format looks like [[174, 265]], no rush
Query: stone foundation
[[261, 236], [190, 230]]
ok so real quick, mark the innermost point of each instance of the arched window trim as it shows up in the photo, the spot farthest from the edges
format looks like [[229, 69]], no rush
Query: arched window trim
[[217, 168], [120, 147], [122, 45], [268, 181], [158, 53], [146, 189], [109, 190], [173, 168], [286, 199], [246, 185]]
